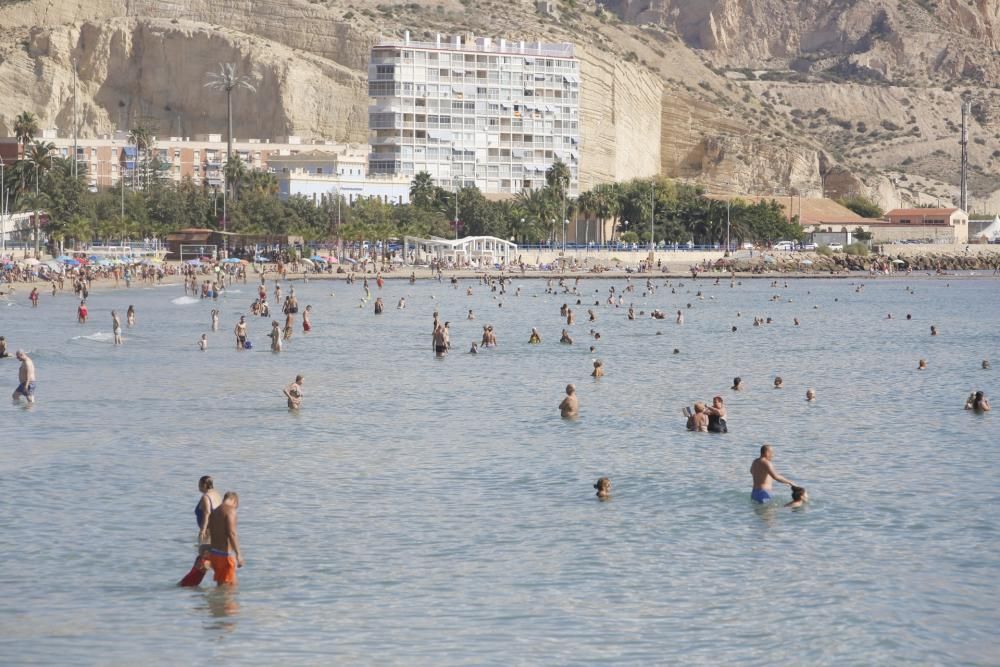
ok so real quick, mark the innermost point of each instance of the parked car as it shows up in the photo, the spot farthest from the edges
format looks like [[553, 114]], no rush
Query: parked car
[[784, 245], [808, 246], [836, 247]]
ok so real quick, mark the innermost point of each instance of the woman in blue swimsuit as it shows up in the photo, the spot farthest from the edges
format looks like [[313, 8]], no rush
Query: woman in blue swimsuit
[[210, 499]]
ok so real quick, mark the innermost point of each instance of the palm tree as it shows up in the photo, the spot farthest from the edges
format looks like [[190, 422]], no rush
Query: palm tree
[[557, 178], [25, 127], [235, 172], [39, 156], [263, 182], [34, 201], [142, 138], [422, 190], [227, 79]]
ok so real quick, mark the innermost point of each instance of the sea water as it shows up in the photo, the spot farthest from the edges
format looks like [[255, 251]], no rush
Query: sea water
[[439, 512]]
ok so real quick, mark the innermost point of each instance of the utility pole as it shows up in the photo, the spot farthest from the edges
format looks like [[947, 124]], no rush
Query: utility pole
[[964, 192], [3, 210], [75, 156], [652, 212]]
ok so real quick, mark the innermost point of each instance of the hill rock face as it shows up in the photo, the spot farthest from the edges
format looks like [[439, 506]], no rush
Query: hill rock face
[[756, 96]]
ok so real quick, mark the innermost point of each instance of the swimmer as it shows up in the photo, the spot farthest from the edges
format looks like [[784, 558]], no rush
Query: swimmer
[[796, 321], [81, 313], [810, 395], [439, 340], [294, 393], [799, 497], [570, 406], [921, 365], [933, 330], [603, 486], [986, 364], [676, 351], [737, 384], [470, 316], [474, 349], [598, 369], [535, 338], [402, 304], [130, 316], [697, 420], [565, 338], [763, 472], [779, 383], [25, 377], [203, 342], [680, 317], [3, 348], [306, 323], [978, 402]]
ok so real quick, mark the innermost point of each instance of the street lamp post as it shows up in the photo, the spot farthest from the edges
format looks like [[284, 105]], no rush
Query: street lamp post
[[565, 226], [522, 227], [652, 213], [729, 246], [3, 211]]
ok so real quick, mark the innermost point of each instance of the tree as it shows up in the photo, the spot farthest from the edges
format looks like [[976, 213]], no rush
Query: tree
[[557, 178], [861, 205], [422, 191], [142, 138], [25, 128], [39, 155], [227, 79], [235, 172]]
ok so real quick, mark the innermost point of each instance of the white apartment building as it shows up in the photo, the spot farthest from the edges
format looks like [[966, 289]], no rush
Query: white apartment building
[[483, 112]]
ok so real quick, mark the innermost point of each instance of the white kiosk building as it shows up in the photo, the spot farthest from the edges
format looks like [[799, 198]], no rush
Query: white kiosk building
[[471, 251]]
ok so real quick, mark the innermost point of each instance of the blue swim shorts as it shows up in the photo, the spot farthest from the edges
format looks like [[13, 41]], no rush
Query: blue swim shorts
[[760, 496], [28, 391]]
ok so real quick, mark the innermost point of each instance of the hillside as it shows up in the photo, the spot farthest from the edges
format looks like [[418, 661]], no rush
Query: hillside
[[757, 96]]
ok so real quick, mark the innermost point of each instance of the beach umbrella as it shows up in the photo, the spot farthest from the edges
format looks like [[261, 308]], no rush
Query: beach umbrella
[[317, 258], [71, 262], [258, 258], [332, 260], [63, 258], [898, 261], [94, 258], [194, 262], [105, 262], [307, 262], [350, 261], [231, 260], [8, 265]]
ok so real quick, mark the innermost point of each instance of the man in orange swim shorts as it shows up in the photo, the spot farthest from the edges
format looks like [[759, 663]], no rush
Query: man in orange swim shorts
[[225, 544]]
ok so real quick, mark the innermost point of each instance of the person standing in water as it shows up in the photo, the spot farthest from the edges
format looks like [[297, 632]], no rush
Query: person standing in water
[[306, 324], [116, 327], [570, 406], [130, 316], [240, 330], [275, 336], [203, 342], [81, 313], [215, 320], [224, 553], [294, 393], [25, 377], [210, 499], [763, 472]]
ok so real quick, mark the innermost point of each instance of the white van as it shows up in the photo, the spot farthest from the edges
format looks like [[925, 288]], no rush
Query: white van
[[784, 245]]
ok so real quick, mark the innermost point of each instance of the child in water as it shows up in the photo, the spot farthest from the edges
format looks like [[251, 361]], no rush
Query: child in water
[[603, 487], [799, 497], [203, 343]]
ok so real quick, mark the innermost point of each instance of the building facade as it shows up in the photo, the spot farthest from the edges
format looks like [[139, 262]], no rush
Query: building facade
[[106, 160], [493, 114], [955, 219], [325, 175]]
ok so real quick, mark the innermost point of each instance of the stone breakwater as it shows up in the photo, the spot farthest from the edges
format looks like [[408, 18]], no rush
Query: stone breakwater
[[838, 262]]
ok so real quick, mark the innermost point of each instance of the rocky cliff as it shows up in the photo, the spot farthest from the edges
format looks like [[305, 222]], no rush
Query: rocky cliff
[[759, 96]]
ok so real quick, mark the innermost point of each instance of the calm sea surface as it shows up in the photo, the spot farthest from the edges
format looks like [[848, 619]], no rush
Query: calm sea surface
[[438, 512]]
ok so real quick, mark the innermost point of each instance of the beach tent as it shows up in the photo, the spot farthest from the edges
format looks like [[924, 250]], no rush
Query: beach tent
[[992, 232]]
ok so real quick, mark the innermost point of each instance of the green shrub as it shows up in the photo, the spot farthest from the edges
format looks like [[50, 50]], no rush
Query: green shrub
[[858, 249], [824, 250]]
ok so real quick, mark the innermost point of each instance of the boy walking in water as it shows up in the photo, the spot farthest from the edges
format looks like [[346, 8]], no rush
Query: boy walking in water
[[224, 553]]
